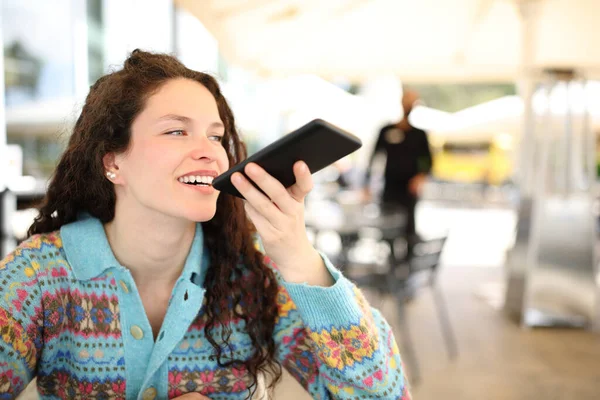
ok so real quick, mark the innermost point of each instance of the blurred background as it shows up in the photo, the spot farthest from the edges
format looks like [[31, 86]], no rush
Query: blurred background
[[495, 294]]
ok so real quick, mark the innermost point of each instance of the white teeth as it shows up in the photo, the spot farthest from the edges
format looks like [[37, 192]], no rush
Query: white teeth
[[196, 179]]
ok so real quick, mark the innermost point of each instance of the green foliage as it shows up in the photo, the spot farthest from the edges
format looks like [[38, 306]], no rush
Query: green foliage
[[455, 97]]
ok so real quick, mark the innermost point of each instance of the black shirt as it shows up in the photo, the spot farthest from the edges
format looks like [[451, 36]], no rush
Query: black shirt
[[408, 155]]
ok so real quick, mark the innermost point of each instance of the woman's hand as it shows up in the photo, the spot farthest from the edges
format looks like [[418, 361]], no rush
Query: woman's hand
[[192, 396], [279, 220]]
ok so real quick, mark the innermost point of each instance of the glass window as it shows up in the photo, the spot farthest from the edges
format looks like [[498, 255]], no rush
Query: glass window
[[95, 40], [38, 50], [40, 153]]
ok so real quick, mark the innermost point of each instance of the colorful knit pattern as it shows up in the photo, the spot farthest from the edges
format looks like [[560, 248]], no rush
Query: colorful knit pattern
[[71, 332]]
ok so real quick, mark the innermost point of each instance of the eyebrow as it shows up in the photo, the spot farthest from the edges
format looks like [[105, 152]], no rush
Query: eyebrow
[[187, 120], [175, 117]]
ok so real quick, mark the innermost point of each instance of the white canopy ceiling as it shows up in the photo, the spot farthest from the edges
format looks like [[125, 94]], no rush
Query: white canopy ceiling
[[419, 40]]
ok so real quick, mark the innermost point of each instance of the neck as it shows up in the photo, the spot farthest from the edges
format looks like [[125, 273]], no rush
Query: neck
[[152, 246], [403, 123]]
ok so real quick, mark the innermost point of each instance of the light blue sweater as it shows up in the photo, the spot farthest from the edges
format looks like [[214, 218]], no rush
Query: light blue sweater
[[71, 315]]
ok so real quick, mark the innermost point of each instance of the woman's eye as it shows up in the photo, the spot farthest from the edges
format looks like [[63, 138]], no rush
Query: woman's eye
[[177, 132], [216, 138]]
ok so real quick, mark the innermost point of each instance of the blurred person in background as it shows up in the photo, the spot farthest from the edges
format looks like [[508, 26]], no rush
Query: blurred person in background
[[140, 280], [408, 162]]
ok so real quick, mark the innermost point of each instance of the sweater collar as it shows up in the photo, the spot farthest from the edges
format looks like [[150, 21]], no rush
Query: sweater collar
[[89, 254]]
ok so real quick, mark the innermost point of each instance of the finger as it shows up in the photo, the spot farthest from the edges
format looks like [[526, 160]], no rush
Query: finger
[[258, 200], [304, 182], [263, 226], [271, 186]]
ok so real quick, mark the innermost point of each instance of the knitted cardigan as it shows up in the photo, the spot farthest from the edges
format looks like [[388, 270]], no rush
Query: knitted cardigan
[[71, 315]]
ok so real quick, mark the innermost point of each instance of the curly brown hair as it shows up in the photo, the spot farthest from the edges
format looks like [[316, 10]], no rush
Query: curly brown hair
[[78, 185]]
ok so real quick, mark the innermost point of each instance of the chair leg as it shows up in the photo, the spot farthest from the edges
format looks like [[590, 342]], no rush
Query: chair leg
[[408, 348], [447, 331]]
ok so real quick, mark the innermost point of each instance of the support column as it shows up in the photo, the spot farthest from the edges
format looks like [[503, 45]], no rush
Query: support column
[[6, 198], [2, 111], [529, 10]]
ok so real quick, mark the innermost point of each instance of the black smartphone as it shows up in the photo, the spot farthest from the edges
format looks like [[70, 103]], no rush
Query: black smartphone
[[318, 144]]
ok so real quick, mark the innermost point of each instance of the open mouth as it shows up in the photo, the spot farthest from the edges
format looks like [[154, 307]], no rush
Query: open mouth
[[197, 180]]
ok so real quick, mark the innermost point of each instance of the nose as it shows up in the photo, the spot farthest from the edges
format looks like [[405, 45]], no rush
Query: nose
[[203, 148]]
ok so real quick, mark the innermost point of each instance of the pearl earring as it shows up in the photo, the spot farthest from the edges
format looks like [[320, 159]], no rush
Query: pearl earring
[[111, 175]]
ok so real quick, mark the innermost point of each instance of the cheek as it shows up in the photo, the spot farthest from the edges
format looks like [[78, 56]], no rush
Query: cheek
[[148, 159], [223, 161]]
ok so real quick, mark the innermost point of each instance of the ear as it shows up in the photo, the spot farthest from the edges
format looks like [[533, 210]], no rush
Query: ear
[[111, 165], [109, 162]]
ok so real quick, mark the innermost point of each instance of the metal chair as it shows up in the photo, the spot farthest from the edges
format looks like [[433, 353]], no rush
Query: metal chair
[[409, 269]]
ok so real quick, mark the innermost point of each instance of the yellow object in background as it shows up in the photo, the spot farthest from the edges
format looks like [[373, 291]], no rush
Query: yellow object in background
[[472, 162]]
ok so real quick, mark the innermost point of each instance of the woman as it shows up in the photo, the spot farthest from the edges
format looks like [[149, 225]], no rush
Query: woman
[[140, 281]]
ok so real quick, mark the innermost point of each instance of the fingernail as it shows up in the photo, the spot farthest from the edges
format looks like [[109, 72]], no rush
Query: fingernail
[[303, 166], [237, 178], [252, 169]]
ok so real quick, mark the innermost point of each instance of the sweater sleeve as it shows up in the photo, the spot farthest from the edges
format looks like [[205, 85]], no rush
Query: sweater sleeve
[[334, 344], [20, 321]]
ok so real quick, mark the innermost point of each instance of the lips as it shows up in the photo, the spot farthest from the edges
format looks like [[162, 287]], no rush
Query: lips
[[201, 172]]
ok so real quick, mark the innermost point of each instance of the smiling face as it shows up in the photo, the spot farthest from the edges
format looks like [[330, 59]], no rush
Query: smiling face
[[175, 142]]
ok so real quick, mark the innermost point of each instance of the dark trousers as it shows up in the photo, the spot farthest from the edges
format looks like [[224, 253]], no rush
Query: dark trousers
[[405, 200]]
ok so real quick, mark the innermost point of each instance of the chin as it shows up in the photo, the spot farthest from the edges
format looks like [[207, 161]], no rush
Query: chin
[[197, 211], [201, 215]]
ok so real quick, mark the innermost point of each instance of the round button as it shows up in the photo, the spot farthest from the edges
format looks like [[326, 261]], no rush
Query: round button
[[136, 332], [124, 286], [149, 394]]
